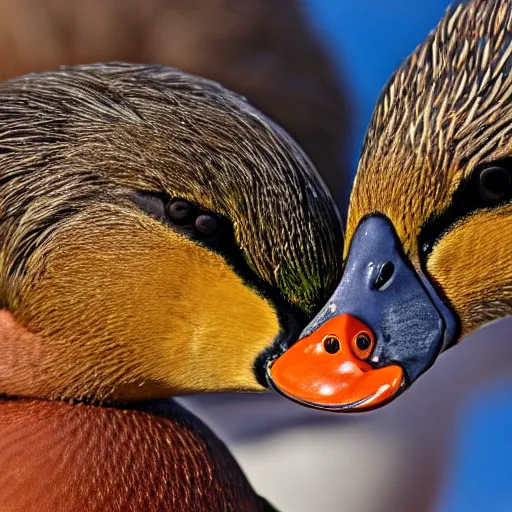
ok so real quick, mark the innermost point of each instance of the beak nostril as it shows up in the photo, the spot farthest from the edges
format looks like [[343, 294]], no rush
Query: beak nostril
[[386, 272], [363, 342], [362, 346], [331, 344]]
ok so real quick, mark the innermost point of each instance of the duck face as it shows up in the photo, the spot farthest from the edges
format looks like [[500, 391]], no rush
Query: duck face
[[159, 236], [429, 239]]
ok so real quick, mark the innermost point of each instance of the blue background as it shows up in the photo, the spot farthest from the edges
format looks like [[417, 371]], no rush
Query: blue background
[[370, 38]]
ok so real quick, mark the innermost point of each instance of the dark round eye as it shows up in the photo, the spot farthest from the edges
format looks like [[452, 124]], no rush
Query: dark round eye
[[206, 224], [180, 211], [494, 184], [331, 344]]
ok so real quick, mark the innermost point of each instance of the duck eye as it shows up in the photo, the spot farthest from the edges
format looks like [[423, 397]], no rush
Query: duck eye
[[494, 184], [180, 211], [206, 224]]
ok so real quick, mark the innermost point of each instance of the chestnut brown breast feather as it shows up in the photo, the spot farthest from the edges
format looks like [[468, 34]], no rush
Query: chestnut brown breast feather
[[60, 457]]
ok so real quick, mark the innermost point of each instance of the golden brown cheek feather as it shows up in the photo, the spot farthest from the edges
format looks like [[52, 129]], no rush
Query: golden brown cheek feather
[[472, 265], [127, 308]]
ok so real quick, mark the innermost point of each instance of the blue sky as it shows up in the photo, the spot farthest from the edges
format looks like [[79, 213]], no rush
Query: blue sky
[[370, 38]]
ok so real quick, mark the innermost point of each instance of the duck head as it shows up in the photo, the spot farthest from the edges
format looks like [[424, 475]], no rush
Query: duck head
[[158, 236], [429, 240]]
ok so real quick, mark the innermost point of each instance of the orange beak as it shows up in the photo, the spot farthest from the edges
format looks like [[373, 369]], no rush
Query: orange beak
[[328, 369]]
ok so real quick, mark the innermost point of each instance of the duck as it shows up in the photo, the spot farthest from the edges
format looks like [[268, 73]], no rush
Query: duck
[[427, 255], [158, 237]]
